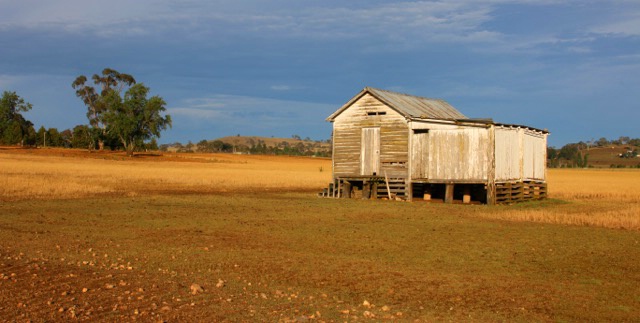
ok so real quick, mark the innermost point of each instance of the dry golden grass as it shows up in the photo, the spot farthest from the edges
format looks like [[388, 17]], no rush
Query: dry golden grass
[[595, 184], [594, 197], [24, 176]]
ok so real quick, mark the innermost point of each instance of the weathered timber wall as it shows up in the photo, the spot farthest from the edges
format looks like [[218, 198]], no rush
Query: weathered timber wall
[[508, 155], [347, 138], [520, 154], [459, 155], [419, 163], [534, 155]]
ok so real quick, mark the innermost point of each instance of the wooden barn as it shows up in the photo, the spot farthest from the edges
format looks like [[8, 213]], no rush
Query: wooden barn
[[399, 146]]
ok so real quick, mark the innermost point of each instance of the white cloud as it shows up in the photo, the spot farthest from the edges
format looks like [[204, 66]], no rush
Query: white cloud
[[7, 81], [579, 49], [475, 91], [626, 24], [281, 87], [598, 78], [401, 25], [196, 113], [412, 22], [239, 109], [221, 115], [403, 21], [417, 19], [78, 12]]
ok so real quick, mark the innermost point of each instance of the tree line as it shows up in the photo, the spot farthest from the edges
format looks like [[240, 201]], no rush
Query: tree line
[[307, 147], [119, 111]]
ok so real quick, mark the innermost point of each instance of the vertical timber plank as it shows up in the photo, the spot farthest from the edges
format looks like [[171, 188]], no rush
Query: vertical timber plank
[[491, 172]]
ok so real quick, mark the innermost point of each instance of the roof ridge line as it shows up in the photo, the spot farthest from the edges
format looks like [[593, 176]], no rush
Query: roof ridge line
[[369, 88]]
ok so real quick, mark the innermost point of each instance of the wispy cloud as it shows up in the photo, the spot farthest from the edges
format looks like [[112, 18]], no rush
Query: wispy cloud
[[402, 21], [220, 115], [626, 22], [281, 87], [407, 24], [32, 13], [233, 108], [7, 81], [477, 91]]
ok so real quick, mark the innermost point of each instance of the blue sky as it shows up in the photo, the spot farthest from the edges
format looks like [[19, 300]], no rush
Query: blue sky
[[280, 67]]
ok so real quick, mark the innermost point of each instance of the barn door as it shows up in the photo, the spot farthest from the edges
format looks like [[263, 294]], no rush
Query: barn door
[[420, 154], [370, 154]]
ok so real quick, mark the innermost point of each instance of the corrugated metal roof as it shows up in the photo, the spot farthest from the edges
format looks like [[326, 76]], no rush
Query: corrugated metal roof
[[409, 106], [416, 106]]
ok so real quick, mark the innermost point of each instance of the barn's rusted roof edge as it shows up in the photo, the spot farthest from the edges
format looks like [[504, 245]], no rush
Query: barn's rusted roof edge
[[481, 121], [509, 125]]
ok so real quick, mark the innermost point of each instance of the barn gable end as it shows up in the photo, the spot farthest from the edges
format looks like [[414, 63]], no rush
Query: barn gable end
[[367, 112]]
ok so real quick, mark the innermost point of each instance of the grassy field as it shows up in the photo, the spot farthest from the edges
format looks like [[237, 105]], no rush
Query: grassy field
[[54, 174], [105, 238]]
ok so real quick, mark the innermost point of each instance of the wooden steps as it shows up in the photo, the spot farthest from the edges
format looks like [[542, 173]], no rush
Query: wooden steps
[[329, 191], [397, 187]]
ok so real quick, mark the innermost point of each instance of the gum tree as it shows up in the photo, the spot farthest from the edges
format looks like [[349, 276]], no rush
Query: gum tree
[[135, 118], [14, 128], [111, 81]]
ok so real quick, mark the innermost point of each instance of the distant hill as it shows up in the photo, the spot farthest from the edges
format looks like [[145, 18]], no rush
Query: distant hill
[[269, 141], [612, 156], [621, 153], [257, 145]]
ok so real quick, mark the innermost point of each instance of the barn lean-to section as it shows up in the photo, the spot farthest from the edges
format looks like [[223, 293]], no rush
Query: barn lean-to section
[[393, 145]]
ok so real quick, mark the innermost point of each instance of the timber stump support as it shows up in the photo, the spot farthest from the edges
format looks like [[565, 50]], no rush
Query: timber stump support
[[426, 195], [374, 190], [346, 190], [448, 195], [466, 194], [366, 190]]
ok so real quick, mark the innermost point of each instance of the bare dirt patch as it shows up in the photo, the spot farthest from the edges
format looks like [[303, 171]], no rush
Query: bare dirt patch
[[285, 257]]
